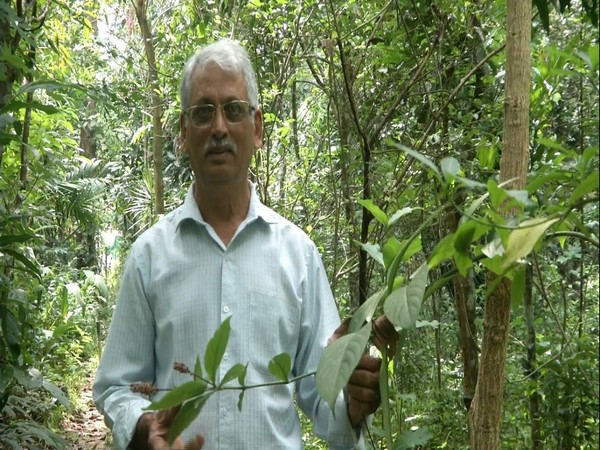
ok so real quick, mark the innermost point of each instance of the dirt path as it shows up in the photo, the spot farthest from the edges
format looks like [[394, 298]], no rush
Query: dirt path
[[85, 429]]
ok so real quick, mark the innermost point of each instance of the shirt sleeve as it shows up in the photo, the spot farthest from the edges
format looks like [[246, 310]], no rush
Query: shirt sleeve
[[320, 318], [128, 356]]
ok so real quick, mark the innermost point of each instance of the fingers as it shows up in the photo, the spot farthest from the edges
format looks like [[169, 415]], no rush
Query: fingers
[[367, 362], [385, 335], [363, 389], [159, 433], [195, 444], [166, 416], [363, 385], [339, 332]]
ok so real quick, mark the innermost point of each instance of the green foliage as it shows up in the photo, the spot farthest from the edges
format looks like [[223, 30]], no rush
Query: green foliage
[[339, 360], [427, 89]]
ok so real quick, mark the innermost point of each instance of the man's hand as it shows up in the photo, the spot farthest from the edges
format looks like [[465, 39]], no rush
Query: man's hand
[[363, 389], [152, 433], [385, 335], [363, 385]]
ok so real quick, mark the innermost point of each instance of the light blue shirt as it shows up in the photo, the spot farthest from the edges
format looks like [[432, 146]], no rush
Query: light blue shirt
[[179, 284]]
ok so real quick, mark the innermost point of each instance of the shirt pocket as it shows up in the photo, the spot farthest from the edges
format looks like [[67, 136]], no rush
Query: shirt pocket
[[273, 325]]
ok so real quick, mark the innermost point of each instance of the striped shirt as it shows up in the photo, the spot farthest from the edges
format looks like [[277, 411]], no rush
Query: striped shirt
[[179, 284]]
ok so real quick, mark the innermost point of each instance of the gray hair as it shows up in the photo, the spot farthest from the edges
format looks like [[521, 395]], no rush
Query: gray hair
[[231, 57]]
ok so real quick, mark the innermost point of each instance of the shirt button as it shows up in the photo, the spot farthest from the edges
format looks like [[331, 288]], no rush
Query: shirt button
[[226, 309]]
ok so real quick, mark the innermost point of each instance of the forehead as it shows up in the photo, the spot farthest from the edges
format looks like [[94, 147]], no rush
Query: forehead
[[211, 83]]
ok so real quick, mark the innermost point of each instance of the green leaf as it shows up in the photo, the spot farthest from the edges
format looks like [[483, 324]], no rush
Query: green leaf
[[17, 105], [12, 333], [494, 264], [468, 183], [463, 236], [337, 363], [12, 238], [422, 158], [463, 262], [443, 250], [497, 194], [589, 184], [545, 179], [399, 214], [486, 156], [522, 240], [365, 312], [594, 56], [390, 250], [233, 373], [57, 393], [101, 285], [49, 86], [517, 289], [542, 6], [450, 167], [185, 416], [240, 400], [374, 251], [280, 366], [29, 265], [6, 376], [198, 368], [409, 439], [178, 395], [242, 376], [413, 247], [375, 210], [215, 349], [521, 196], [6, 138], [427, 323], [402, 306], [551, 143]]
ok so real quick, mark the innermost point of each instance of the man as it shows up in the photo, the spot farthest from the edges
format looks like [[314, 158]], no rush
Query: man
[[224, 254]]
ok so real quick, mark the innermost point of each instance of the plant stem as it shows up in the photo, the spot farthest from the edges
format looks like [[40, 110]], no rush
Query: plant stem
[[254, 386], [385, 399]]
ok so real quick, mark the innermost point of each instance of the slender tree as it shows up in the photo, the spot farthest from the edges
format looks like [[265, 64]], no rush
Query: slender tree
[[486, 409], [157, 129]]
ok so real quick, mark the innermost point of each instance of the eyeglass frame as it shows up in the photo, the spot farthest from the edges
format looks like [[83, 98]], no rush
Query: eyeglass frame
[[247, 105]]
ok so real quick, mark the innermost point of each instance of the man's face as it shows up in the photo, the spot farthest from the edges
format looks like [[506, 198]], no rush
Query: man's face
[[220, 150]]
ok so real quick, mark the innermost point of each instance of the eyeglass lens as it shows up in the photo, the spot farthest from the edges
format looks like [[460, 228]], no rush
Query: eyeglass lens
[[234, 112]]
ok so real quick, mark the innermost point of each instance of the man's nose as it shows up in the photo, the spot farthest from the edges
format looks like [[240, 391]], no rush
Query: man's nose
[[219, 124]]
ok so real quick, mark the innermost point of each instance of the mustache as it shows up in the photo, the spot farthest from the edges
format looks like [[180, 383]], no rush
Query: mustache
[[219, 145]]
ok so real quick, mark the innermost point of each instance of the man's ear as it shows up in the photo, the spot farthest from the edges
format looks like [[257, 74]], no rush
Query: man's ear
[[183, 134], [258, 129]]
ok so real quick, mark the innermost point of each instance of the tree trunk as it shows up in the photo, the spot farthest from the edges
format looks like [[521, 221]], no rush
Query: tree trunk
[[87, 140], [486, 409], [9, 42], [531, 363], [157, 131], [464, 303]]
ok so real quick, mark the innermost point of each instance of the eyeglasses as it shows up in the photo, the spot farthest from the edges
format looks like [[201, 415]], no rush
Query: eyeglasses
[[234, 112]]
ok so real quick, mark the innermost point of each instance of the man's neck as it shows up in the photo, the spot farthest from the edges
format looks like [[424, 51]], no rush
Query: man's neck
[[224, 207]]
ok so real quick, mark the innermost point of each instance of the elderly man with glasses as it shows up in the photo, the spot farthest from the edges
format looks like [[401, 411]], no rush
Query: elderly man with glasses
[[223, 254]]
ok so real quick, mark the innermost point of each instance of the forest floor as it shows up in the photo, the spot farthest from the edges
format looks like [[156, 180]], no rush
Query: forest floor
[[85, 428]]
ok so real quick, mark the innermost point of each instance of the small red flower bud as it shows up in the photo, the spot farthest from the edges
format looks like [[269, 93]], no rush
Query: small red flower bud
[[180, 367], [144, 388]]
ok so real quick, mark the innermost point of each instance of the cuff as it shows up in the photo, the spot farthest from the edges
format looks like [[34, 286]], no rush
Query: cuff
[[126, 422]]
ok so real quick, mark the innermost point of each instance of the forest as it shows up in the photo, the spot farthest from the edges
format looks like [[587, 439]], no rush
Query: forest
[[458, 136]]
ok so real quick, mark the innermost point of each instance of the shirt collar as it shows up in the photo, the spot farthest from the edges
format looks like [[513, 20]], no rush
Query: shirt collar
[[190, 211]]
